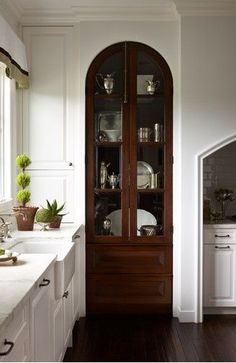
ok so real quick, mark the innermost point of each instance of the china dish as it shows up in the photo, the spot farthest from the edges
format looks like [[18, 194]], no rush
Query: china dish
[[144, 172], [8, 257], [143, 218]]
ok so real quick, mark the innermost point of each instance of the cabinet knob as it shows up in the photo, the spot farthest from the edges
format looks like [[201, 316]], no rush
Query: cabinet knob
[[70, 164], [11, 345], [66, 293]]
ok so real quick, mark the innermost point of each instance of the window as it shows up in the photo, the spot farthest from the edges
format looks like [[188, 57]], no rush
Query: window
[[5, 135]]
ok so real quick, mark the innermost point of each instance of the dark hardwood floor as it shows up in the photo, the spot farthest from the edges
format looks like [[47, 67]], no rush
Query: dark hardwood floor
[[151, 339]]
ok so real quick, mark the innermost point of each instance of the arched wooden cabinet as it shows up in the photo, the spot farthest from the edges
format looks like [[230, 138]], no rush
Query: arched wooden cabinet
[[129, 181]]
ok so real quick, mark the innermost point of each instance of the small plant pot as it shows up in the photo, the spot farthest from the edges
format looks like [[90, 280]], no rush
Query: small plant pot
[[56, 223], [25, 217]]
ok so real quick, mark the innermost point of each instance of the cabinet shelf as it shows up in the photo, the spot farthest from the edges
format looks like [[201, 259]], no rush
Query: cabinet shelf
[[108, 143], [107, 190], [149, 190], [149, 98], [108, 97], [151, 143]]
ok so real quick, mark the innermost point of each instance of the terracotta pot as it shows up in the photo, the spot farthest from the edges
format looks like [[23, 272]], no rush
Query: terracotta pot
[[56, 222], [25, 217]]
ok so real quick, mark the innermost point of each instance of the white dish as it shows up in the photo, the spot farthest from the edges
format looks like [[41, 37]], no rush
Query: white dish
[[144, 172], [143, 217]]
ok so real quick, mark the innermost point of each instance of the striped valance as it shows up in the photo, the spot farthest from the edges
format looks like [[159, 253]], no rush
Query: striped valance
[[12, 54]]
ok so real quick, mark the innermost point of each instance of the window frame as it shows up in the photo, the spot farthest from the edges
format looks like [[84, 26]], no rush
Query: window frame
[[5, 141]]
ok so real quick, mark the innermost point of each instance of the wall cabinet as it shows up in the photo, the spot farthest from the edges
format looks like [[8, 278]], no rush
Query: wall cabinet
[[48, 115], [219, 280], [129, 181]]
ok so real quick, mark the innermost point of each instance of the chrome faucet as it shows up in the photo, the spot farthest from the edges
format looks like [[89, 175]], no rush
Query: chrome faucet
[[4, 229]]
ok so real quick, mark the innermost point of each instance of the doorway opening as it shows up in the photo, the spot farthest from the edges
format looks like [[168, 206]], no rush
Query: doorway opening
[[217, 208]]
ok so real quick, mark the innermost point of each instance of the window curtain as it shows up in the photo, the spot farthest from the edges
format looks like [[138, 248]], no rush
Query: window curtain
[[13, 55]]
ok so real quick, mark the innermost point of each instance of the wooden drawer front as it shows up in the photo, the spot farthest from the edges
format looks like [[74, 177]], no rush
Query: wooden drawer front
[[219, 235], [119, 259], [128, 294]]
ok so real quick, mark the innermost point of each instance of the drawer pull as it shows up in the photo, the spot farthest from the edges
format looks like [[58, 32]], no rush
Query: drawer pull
[[222, 247], [11, 345], [225, 236], [45, 282], [66, 293]]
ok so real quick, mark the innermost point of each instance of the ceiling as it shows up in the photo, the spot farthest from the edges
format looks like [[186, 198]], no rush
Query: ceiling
[[36, 12]]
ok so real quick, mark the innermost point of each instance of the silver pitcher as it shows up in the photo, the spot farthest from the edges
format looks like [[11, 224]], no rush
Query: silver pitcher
[[106, 82], [151, 86], [113, 180]]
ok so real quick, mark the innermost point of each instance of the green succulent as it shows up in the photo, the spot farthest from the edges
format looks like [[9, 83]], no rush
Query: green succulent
[[23, 196], [23, 180], [43, 215], [54, 209]]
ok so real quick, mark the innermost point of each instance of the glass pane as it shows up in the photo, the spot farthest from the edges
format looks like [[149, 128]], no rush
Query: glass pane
[[108, 167], [108, 120], [150, 166], [149, 76], [110, 75], [108, 215], [150, 214]]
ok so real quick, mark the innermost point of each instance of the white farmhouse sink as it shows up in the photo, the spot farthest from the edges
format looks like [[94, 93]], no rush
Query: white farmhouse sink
[[65, 262]]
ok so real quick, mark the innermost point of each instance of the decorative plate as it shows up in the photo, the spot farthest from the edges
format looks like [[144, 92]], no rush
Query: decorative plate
[[144, 172]]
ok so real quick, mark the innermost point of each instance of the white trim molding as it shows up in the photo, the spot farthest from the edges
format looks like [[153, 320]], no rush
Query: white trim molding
[[206, 7], [186, 316]]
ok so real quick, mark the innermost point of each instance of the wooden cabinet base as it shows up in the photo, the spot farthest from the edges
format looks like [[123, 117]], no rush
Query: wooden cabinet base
[[129, 294]]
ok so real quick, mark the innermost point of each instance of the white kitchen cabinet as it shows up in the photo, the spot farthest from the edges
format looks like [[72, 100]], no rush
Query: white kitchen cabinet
[[41, 333], [48, 115], [68, 315], [58, 330], [15, 339], [219, 275]]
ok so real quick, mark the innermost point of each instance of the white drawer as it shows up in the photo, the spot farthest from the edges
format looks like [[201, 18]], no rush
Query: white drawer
[[219, 235]]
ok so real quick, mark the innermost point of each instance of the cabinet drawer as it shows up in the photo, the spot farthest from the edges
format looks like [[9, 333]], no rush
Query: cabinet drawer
[[128, 294], [122, 259], [219, 235]]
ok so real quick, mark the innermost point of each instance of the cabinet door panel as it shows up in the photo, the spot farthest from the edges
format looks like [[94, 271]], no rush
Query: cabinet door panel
[[219, 275], [128, 294], [52, 185], [137, 259]]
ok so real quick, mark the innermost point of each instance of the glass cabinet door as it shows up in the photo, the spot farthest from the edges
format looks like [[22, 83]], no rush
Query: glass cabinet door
[[128, 157]]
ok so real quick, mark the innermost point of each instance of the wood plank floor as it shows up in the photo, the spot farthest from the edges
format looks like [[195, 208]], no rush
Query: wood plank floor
[[153, 339]]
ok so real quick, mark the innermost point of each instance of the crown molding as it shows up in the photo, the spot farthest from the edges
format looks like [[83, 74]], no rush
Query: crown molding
[[78, 10], [206, 7]]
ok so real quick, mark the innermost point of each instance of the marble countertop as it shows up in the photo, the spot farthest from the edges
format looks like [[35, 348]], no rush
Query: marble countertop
[[226, 223], [17, 281]]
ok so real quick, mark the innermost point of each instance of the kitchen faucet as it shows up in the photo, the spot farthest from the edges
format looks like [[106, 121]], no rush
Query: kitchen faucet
[[4, 226]]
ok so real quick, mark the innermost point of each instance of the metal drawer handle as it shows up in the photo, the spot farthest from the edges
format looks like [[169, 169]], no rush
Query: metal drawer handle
[[226, 236], [45, 282], [223, 247], [66, 293], [6, 342]]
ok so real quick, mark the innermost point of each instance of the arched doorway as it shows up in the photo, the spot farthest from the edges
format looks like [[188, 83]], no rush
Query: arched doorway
[[211, 162]]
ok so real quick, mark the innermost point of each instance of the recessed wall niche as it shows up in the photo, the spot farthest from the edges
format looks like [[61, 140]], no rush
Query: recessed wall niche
[[219, 171]]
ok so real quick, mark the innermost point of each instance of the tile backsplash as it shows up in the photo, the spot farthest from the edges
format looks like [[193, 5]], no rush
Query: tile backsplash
[[219, 171]]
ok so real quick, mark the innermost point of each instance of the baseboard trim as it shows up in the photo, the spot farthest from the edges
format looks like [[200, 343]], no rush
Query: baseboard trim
[[219, 310], [186, 316]]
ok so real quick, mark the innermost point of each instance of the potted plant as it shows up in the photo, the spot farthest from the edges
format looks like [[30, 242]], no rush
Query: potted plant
[[50, 215], [24, 214]]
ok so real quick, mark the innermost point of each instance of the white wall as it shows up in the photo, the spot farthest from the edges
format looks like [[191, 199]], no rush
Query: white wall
[[163, 36], [208, 77]]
